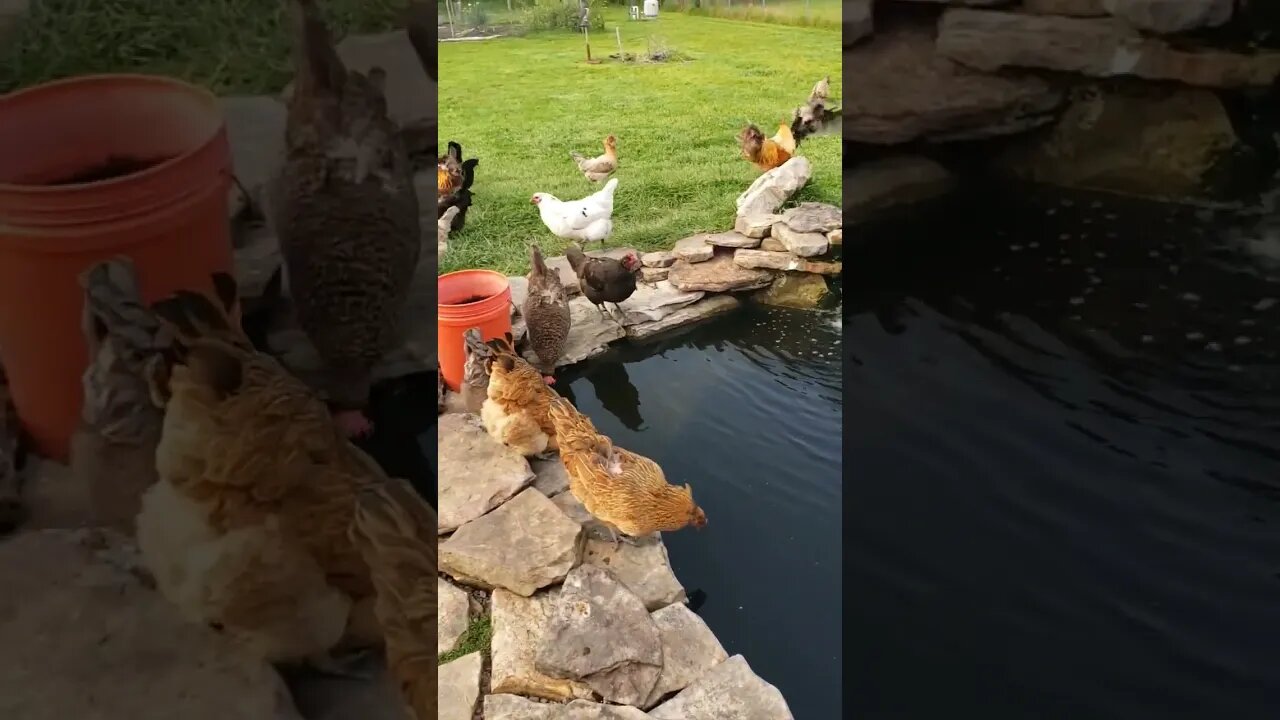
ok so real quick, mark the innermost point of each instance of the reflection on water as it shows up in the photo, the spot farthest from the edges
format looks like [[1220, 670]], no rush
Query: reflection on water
[[1065, 412], [747, 410]]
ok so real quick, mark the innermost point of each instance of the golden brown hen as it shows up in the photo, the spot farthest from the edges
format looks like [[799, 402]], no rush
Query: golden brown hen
[[395, 531], [515, 412], [247, 526], [621, 488], [599, 167]]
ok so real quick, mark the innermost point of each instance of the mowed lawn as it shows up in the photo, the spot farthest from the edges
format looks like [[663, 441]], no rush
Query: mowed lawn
[[522, 104]]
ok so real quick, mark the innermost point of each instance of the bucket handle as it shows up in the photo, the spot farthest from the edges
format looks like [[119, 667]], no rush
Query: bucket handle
[[249, 202]]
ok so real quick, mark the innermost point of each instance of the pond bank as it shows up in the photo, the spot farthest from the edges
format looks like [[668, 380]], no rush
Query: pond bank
[[575, 618]]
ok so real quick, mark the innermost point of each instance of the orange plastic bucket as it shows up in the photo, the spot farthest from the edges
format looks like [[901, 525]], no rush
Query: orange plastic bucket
[[467, 299], [93, 167]]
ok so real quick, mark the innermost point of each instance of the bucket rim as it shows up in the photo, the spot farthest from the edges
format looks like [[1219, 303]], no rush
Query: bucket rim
[[456, 274], [196, 91]]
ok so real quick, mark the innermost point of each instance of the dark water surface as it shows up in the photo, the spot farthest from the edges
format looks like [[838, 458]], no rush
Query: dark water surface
[[1064, 425], [747, 410]]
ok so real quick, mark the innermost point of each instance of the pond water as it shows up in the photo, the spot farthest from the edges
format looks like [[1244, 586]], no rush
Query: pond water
[[746, 409], [1065, 425]]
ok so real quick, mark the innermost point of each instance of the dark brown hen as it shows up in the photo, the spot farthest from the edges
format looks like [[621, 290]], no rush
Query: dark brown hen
[[603, 279]]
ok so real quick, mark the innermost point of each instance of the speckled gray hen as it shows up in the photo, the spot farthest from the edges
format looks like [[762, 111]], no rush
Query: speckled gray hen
[[546, 312], [346, 213]]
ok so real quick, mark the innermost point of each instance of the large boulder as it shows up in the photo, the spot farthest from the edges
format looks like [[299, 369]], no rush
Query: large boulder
[[904, 91], [786, 261], [730, 691], [1171, 16], [475, 472], [718, 274], [601, 633], [1153, 142], [526, 544], [704, 309], [519, 630], [880, 186], [803, 291], [689, 650], [1105, 47], [653, 303], [459, 687], [514, 707], [769, 191], [453, 615], [1071, 8]]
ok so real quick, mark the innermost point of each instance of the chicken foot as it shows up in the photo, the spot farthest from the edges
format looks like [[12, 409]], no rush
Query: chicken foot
[[353, 423], [348, 395], [615, 313], [618, 314]]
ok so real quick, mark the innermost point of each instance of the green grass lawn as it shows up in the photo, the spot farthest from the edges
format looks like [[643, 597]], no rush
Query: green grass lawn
[[521, 104], [228, 46]]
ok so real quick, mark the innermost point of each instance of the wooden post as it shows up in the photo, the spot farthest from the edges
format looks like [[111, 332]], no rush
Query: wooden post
[[621, 55], [586, 39]]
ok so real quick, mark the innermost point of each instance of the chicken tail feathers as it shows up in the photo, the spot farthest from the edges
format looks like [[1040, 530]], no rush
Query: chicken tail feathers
[[536, 263], [504, 345], [575, 256], [193, 315], [316, 62], [468, 171]]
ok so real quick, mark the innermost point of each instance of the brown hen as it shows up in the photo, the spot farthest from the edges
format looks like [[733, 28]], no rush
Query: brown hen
[[346, 213], [546, 313], [621, 488], [247, 526]]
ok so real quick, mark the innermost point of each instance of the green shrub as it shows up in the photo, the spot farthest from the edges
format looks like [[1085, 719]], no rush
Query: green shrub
[[560, 15], [476, 15]]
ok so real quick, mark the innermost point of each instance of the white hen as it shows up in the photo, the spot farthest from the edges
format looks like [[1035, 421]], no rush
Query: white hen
[[587, 220]]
